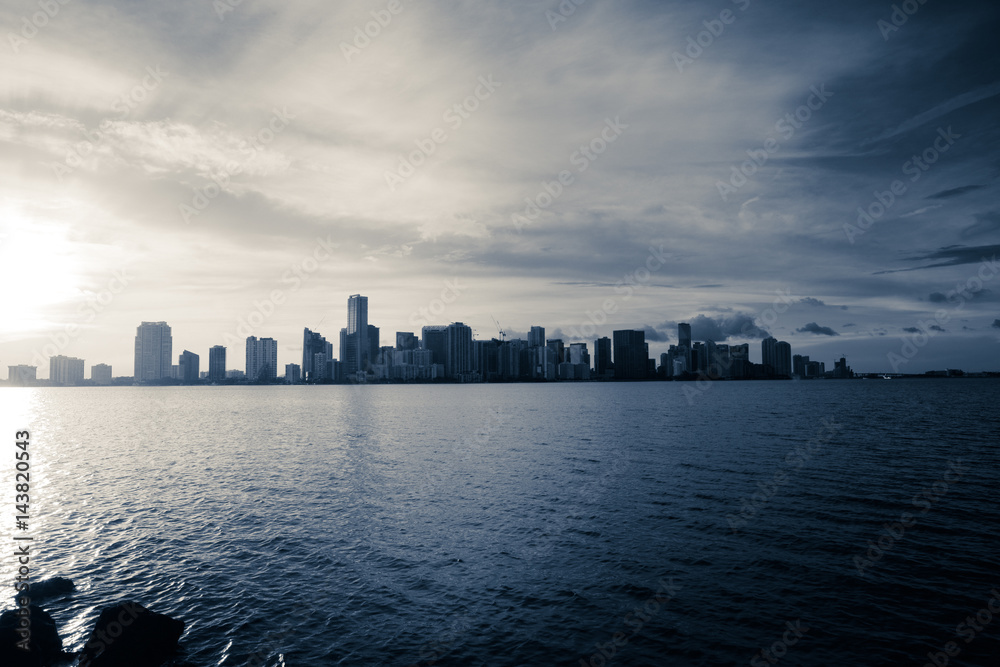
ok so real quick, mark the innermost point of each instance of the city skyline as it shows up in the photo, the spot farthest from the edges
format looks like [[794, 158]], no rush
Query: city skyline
[[452, 352]]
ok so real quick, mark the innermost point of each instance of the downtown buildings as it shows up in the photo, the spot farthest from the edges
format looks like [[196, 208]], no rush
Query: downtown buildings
[[447, 352], [153, 351]]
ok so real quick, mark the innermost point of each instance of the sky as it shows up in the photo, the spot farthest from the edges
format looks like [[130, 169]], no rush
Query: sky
[[826, 173]]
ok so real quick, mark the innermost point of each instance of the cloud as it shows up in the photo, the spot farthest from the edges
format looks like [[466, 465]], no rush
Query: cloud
[[955, 256], [654, 336], [954, 192], [986, 223], [814, 328], [935, 327], [996, 324], [911, 329], [810, 301], [719, 329]]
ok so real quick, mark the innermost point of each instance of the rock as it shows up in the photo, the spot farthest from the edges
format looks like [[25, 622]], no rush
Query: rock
[[45, 646], [129, 635], [48, 588]]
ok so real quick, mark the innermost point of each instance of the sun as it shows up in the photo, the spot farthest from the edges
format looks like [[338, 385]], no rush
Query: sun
[[38, 271]]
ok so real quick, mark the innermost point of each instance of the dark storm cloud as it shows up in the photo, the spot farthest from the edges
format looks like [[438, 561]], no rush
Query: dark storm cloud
[[954, 192], [986, 223], [654, 336], [810, 301], [996, 324], [718, 329], [911, 330], [814, 328], [954, 256]]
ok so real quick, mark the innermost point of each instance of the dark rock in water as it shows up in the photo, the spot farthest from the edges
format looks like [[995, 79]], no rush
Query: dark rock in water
[[129, 635], [44, 647], [49, 588]]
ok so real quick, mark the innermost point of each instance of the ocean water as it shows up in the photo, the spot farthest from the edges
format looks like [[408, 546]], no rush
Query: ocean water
[[524, 524]]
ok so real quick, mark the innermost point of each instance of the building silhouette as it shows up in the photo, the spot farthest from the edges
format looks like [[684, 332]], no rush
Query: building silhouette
[[101, 374], [262, 359], [783, 359], [603, 364], [66, 370], [313, 344], [435, 339], [630, 355], [217, 363], [188, 362], [22, 375], [153, 352], [355, 346], [406, 340], [458, 358]]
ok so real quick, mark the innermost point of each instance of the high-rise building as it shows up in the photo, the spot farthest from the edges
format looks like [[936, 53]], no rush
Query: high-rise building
[[578, 354], [435, 339], [458, 359], [216, 363], [65, 370], [799, 365], [188, 362], [769, 354], [536, 337], [101, 374], [262, 359], [602, 356], [313, 344], [783, 359], [153, 351], [405, 340], [373, 345], [355, 349], [684, 335], [631, 358], [740, 358], [292, 373], [21, 374], [557, 349], [699, 357]]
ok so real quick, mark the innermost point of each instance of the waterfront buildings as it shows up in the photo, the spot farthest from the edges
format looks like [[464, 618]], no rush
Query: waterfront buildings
[[153, 351]]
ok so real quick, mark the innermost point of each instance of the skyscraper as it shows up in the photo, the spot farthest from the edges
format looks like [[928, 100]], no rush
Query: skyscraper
[[153, 350], [769, 354], [405, 340], [355, 349], [684, 335], [217, 363], [435, 339], [458, 359], [783, 359], [684, 344], [262, 359], [373, 345], [188, 362], [631, 359], [313, 344], [602, 356], [536, 337]]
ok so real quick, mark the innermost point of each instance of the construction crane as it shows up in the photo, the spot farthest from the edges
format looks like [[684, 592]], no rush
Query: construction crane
[[499, 329]]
